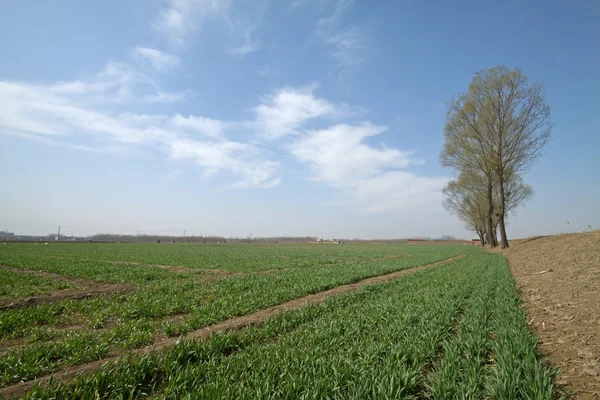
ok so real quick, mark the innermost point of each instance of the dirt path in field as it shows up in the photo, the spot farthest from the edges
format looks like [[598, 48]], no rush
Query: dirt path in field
[[559, 279], [87, 288], [256, 318]]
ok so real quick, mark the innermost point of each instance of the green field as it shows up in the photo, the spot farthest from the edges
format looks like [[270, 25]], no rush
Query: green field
[[452, 330]]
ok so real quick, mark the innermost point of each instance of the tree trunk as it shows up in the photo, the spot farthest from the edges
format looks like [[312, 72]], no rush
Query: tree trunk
[[503, 233], [481, 240], [489, 222], [495, 221], [501, 217]]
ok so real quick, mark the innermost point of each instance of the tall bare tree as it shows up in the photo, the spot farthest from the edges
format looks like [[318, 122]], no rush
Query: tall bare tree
[[469, 147], [499, 127], [520, 130]]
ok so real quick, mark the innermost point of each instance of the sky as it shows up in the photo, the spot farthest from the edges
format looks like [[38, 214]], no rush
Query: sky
[[269, 118]]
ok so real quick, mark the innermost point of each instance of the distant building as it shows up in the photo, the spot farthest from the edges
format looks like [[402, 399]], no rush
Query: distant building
[[6, 234]]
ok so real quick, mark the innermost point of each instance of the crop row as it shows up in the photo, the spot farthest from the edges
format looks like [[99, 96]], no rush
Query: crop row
[[234, 257], [440, 333], [15, 285], [140, 317], [493, 354], [371, 320]]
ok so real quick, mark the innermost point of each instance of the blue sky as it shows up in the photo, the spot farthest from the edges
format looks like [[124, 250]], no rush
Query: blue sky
[[299, 117]]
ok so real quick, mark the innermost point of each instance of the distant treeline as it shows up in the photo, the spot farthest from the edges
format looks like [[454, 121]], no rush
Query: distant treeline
[[109, 237]]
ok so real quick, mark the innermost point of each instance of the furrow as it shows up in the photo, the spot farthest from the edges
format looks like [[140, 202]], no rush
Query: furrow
[[255, 318]]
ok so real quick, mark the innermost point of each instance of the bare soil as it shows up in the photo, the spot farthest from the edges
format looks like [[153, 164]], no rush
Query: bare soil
[[256, 318], [87, 288], [559, 279]]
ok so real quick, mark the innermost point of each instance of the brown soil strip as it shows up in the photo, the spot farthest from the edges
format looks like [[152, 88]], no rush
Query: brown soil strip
[[256, 318], [56, 277], [9, 344], [563, 305], [89, 289], [65, 295]]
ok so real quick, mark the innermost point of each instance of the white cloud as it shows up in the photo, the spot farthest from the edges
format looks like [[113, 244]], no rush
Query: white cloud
[[338, 155], [159, 60], [348, 46], [118, 82], [182, 17], [83, 115], [79, 116], [234, 157], [285, 110], [368, 177], [300, 3], [211, 127], [335, 17], [162, 97], [249, 45], [115, 76], [50, 141]]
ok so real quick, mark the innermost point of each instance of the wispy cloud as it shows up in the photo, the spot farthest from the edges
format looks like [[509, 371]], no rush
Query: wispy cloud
[[69, 114], [340, 7], [211, 127], [163, 97], [320, 4], [158, 59], [116, 83], [348, 45], [237, 158], [249, 45], [183, 17], [82, 115]]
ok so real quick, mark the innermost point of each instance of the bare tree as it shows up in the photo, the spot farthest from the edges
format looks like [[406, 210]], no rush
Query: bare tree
[[499, 127], [465, 197], [468, 147], [520, 130]]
